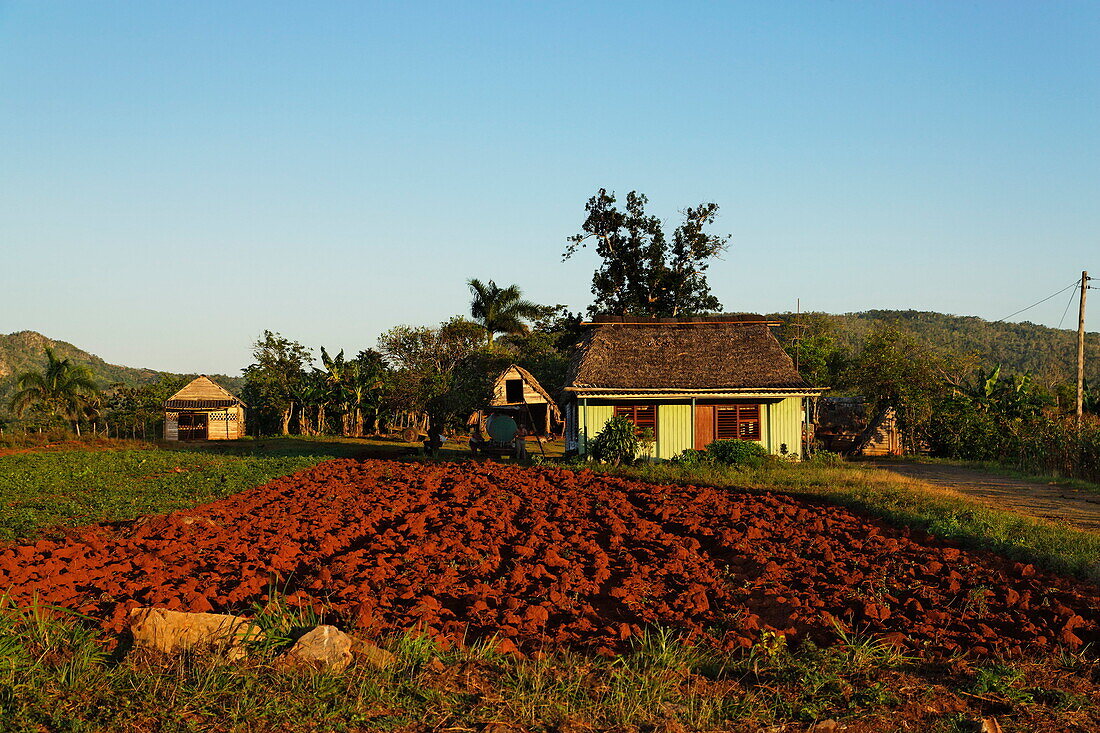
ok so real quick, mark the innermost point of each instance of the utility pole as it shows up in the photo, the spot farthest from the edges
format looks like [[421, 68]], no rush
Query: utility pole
[[797, 331], [1081, 349]]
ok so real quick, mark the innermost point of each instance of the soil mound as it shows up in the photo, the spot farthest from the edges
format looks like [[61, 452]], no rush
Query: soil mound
[[551, 557]]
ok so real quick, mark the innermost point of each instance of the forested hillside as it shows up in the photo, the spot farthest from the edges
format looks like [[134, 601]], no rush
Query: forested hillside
[[23, 351], [1048, 354]]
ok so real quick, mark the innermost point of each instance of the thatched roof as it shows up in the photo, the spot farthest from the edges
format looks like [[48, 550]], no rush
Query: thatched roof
[[202, 393], [731, 352]]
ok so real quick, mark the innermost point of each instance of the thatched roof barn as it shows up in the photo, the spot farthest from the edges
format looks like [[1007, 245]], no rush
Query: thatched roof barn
[[516, 386], [203, 410], [688, 382]]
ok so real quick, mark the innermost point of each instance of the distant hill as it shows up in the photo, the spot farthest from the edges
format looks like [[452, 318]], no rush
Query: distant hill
[[23, 351], [1048, 354]]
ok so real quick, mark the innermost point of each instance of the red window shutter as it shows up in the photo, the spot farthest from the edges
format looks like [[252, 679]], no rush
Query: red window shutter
[[643, 416], [737, 422], [725, 422]]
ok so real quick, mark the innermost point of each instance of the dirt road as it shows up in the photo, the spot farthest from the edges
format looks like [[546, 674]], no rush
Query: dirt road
[[1049, 501]]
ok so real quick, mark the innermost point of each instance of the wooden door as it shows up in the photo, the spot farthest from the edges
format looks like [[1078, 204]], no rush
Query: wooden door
[[704, 426]]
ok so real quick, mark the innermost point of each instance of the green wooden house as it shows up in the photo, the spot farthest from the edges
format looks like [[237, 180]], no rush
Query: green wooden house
[[690, 381]]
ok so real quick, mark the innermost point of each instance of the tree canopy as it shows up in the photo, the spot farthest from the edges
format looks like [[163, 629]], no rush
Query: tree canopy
[[644, 272], [272, 381]]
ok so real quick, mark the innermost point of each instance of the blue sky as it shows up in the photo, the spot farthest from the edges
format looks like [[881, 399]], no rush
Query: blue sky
[[176, 177]]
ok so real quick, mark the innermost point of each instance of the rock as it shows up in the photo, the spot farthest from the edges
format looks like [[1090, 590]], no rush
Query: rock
[[371, 655], [324, 648], [172, 632]]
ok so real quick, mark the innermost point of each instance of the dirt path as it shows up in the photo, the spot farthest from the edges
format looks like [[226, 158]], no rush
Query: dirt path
[[1049, 501]]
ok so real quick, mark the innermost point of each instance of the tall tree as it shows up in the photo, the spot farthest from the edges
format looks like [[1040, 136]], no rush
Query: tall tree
[[895, 369], [500, 310], [271, 383], [643, 272], [62, 389], [425, 359]]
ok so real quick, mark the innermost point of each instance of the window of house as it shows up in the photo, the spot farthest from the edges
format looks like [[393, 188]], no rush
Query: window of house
[[513, 390], [737, 422], [643, 416]]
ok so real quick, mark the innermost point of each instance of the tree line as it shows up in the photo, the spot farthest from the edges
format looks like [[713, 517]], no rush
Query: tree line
[[914, 363]]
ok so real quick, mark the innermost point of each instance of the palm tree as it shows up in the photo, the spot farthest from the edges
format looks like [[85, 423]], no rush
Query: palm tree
[[62, 389], [500, 310]]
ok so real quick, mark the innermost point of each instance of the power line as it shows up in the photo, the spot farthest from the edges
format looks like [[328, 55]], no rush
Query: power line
[[1072, 293], [1071, 285]]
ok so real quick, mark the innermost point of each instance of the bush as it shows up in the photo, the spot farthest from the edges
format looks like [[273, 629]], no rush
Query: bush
[[827, 458], [1040, 444], [692, 457], [617, 442], [737, 452]]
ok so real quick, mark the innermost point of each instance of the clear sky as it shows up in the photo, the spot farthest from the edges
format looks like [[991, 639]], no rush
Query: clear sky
[[176, 177]]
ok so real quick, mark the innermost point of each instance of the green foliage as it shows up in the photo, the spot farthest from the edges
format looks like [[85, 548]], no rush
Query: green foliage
[[135, 408], [273, 382], [1015, 396], [737, 452], [62, 390], [643, 272], [894, 369], [813, 343], [69, 488], [617, 442], [1022, 348], [1001, 680], [1041, 445], [55, 675], [691, 458], [356, 389], [425, 359]]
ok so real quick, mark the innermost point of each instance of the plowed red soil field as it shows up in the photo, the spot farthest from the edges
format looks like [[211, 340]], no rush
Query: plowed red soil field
[[549, 557]]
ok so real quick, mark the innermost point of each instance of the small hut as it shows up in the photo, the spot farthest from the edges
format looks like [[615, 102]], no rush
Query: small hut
[[203, 410], [536, 410]]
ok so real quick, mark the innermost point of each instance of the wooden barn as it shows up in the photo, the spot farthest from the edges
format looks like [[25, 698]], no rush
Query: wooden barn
[[203, 410], [688, 382], [517, 387]]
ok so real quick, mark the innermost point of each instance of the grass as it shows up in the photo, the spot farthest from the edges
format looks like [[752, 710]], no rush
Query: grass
[[55, 674], [49, 484], [42, 490], [1001, 469], [904, 502]]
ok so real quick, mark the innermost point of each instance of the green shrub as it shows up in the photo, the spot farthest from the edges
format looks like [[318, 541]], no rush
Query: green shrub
[[691, 457], [617, 443], [737, 452]]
